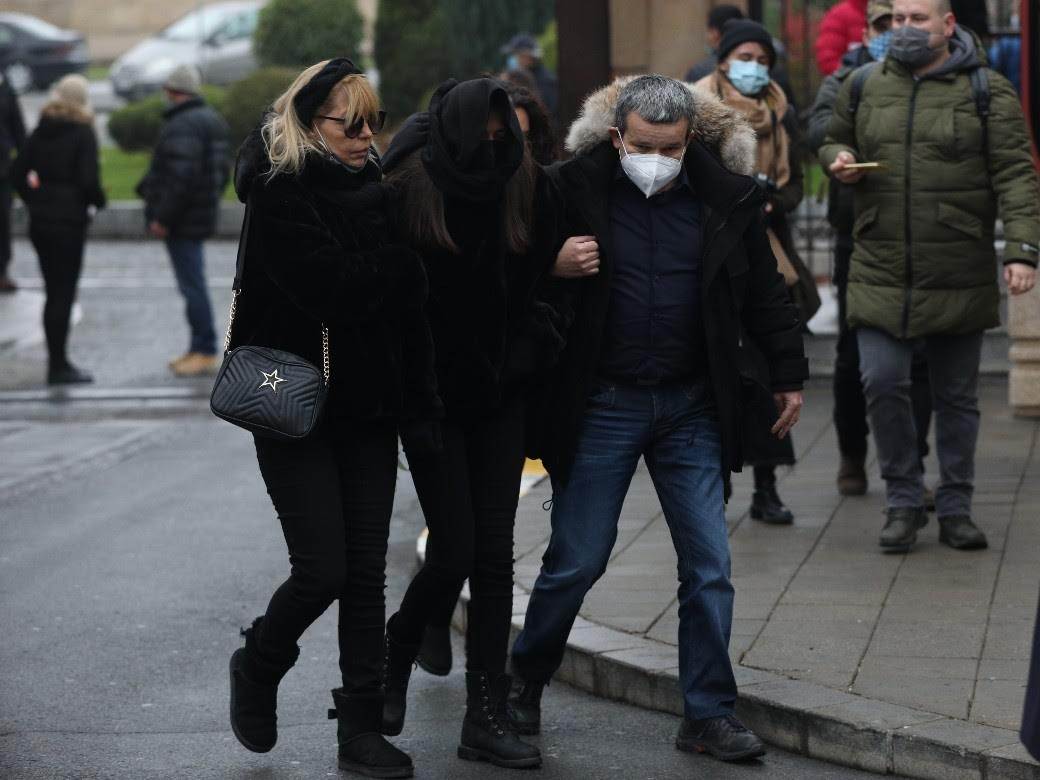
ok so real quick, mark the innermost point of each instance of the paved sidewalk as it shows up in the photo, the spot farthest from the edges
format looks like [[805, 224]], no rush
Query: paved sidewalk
[[914, 664]]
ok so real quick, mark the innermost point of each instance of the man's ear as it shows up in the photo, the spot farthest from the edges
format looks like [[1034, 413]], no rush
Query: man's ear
[[615, 137]]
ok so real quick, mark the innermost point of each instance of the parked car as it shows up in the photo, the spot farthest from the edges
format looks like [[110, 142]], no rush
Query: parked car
[[217, 39], [35, 53]]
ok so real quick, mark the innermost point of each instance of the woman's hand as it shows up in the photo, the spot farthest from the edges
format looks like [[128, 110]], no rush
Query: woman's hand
[[790, 407]]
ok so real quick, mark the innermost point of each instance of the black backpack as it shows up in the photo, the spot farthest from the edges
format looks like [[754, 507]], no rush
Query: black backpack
[[979, 90]]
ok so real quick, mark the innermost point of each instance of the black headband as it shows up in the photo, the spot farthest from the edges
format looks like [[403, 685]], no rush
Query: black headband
[[313, 94]]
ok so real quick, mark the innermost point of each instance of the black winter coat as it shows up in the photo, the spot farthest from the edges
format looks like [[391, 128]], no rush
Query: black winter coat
[[64, 153], [12, 125], [319, 251], [189, 171], [493, 330], [741, 293]]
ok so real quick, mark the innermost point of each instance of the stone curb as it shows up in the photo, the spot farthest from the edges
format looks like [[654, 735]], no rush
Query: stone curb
[[795, 715], [124, 219]]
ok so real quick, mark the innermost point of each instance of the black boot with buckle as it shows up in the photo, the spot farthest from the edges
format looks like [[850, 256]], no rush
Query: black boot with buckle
[[362, 749], [524, 709], [254, 691], [398, 662], [486, 734]]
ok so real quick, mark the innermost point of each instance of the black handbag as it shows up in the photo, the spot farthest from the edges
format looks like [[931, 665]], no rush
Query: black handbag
[[270, 392]]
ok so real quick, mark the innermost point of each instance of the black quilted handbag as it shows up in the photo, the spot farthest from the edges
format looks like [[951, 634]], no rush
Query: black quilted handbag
[[269, 392]]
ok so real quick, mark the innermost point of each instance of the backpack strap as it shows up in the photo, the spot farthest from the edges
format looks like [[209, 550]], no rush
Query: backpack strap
[[981, 93], [859, 78]]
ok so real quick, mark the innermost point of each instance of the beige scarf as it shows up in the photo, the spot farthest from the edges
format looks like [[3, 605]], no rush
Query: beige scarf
[[765, 115]]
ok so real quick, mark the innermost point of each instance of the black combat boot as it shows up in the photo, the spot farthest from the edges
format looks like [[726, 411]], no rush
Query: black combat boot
[[900, 531], [486, 734], [766, 505], [852, 475], [435, 650], [398, 661], [362, 749], [725, 737], [254, 691], [524, 709]]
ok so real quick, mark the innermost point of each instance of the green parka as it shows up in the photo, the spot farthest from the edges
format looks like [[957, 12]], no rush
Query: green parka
[[924, 261]]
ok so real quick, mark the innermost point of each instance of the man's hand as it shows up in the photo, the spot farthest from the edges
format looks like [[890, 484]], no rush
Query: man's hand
[[32, 180], [1020, 278], [841, 174], [578, 257], [158, 230], [790, 407]]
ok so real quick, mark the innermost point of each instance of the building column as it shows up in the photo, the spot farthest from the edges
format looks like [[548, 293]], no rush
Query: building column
[[1024, 377]]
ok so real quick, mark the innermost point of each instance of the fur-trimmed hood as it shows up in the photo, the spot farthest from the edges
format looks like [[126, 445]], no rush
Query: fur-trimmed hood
[[722, 130]]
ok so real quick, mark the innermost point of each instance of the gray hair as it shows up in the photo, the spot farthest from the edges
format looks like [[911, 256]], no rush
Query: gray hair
[[657, 99]]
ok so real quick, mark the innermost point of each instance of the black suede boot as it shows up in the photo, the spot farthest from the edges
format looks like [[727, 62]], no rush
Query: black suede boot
[[254, 691], [486, 734], [524, 709], [398, 661], [362, 749], [435, 650], [766, 505]]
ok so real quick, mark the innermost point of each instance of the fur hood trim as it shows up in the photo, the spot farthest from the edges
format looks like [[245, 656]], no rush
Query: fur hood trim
[[722, 130]]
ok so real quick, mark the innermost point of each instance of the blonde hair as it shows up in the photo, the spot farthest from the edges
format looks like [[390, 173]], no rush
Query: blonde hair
[[69, 99], [288, 140]]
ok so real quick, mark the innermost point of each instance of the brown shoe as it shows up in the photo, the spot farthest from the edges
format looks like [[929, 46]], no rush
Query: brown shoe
[[852, 475], [7, 285], [178, 360], [197, 364]]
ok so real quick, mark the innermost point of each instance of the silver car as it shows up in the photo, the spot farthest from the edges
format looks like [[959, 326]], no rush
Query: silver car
[[217, 39]]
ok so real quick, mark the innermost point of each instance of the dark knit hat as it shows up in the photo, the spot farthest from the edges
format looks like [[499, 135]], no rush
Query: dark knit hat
[[312, 95], [738, 31]]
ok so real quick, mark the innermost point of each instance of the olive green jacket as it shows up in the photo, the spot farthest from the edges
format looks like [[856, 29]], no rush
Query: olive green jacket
[[924, 261]]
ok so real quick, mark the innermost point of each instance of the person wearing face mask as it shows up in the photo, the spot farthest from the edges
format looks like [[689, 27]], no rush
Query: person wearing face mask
[[323, 276], [483, 216], [523, 53], [668, 263], [741, 81], [921, 276], [850, 407], [181, 192]]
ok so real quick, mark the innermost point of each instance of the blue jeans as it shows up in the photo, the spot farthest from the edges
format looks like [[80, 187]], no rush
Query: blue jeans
[[187, 259], [675, 429]]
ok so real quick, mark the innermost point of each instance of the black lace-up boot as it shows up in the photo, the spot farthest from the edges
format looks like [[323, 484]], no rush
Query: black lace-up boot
[[398, 662], [254, 691], [486, 734]]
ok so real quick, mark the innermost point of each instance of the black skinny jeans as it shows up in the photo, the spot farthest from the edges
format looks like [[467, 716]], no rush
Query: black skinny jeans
[[334, 495], [469, 494], [60, 250], [850, 406]]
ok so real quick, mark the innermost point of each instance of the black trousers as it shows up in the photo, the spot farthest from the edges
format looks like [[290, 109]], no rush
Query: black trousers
[[60, 251], [5, 225], [334, 495], [469, 494], [850, 406]]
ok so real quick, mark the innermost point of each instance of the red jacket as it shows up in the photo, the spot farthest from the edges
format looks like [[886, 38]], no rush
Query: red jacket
[[841, 26]]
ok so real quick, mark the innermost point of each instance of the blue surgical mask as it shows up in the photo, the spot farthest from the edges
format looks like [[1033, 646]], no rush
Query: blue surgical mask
[[878, 45], [513, 63], [749, 78]]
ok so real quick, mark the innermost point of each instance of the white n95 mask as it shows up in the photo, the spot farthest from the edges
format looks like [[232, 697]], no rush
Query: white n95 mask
[[649, 172]]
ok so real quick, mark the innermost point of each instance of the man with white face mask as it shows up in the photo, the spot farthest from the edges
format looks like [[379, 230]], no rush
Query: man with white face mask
[[667, 264]]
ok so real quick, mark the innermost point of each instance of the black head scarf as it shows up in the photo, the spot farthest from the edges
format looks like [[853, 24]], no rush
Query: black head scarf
[[313, 94], [457, 156]]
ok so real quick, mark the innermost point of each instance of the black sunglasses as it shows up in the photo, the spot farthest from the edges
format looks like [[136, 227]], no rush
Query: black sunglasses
[[375, 123]]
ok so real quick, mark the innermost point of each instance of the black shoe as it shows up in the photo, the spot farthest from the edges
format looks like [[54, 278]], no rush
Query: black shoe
[[524, 709], [398, 660], [900, 531], [362, 749], [767, 507], [68, 374], [254, 692], [486, 735], [852, 475], [929, 500], [960, 533], [724, 737], [435, 651]]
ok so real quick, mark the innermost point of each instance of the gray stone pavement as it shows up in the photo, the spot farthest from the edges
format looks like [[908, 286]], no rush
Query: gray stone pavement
[[930, 647]]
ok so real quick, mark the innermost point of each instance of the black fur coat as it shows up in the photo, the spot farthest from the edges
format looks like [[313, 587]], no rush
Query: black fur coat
[[319, 251]]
